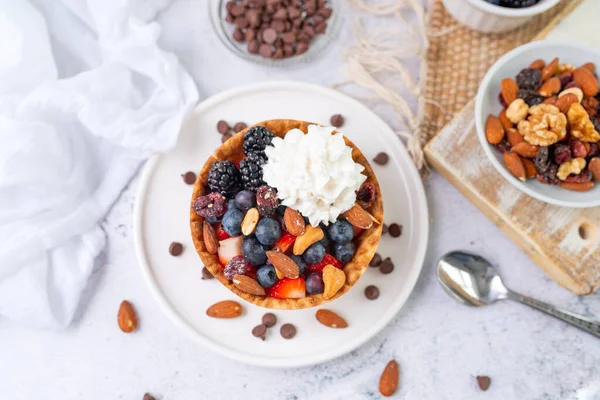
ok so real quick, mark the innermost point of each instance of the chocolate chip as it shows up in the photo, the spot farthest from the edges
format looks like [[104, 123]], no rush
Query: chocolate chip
[[280, 14], [484, 382], [223, 127], [297, 23], [384, 229], [321, 27], [288, 50], [288, 37], [237, 10], [253, 47], [260, 331], [304, 37], [317, 19], [269, 320], [148, 396], [226, 137], [269, 36], [293, 12], [229, 18], [229, 5], [249, 35], [241, 22], [278, 54], [375, 261], [175, 249], [321, 3], [206, 274], [337, 120], [253, 18], [278, 25], [240, 126], [325, 12], [301, 47], [265, 51], [238, 35], [189, 177], [371, 292], [386, 266], [288, 331], [381, 158], [395, 230], [309, 30]]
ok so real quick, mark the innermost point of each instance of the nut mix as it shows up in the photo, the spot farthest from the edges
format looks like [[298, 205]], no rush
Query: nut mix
[[549, 127]]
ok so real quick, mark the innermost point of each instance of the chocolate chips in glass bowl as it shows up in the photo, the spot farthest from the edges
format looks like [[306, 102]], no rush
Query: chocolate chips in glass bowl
[[276, 29]]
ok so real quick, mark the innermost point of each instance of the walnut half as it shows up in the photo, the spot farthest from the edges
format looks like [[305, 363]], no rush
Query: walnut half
[[574, 166], [581, 126], [545, 125]]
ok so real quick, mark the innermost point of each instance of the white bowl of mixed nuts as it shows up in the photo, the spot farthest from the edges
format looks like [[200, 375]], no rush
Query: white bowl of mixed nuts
[[537, 113]]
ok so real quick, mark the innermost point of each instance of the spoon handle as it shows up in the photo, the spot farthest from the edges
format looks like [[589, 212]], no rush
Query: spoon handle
[[584, 323]]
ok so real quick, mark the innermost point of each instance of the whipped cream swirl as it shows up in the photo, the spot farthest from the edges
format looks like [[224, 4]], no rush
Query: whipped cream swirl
[[313, 173]]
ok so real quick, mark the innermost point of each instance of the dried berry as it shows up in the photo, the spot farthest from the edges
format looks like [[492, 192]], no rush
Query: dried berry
[[593, 150], [570, 85], [578, 149], [502, 101], [366, 195], [542, 159], [531, 97], [236, 266], [502, 147], [529, 78], [596, 123], [549, 176], [562, 153], [210, 206], [566, 78], [266, 198], [583, 177]]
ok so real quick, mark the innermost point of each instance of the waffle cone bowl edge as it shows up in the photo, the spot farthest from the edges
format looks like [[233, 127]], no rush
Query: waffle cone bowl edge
[[366, 242]]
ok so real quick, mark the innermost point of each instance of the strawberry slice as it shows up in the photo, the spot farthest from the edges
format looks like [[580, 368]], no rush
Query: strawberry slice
[[288, 288], [229, 248], [327, 259], [357, 231], [251, 270], [221, 234], [285, 242]]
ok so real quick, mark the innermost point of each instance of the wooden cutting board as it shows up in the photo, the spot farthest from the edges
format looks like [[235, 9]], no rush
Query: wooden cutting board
[[564, 242]]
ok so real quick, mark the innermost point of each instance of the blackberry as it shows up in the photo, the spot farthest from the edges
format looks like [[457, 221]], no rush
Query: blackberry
[[529, 78], [252, 171], [256, 139], [531, 97], [224, 178]]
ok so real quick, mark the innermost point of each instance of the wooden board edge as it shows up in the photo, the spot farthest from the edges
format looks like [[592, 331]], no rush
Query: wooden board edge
[[566, 11]]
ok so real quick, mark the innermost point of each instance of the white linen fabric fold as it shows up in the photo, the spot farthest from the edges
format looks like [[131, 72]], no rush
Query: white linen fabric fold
[[86, 95]]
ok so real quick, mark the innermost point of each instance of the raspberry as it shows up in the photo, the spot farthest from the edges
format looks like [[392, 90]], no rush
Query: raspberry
[[210, 206], [529, 78], [236, 266], [266, 198]]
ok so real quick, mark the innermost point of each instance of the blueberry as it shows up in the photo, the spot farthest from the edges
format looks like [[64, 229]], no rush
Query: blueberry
[[281, 209], [211, 220], [325, 240], [268, 231], [341, 231], [300, 263], [344, 251], [245, 200], [253, 252], [314, 283], [314, 254], [266, 276], [232, 222], [231, 204]]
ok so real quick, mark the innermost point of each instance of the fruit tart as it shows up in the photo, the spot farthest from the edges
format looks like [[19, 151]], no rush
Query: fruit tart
[[287, 214]]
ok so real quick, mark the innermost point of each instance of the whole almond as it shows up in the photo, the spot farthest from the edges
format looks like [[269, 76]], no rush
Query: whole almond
[[594, 167], [333, 280], [572, 90], [506, 123], [589, 66], [530, 170], [537, 64], [294, 222], [284, 264], [494, 132], [525, 149], [564, 102], [127, 317], [390, 378], [225, 309], [358, 217], [248, 285], [515, 165], [331, 319], [509, 89], [311, 235], [577, 187], [586, 81], [550, 100], [210, 238], [250, 220], [550, 87], [550, 70], [514, 137]]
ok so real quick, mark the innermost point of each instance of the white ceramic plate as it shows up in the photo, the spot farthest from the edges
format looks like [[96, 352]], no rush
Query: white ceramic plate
[[161, 216], [487, 103]]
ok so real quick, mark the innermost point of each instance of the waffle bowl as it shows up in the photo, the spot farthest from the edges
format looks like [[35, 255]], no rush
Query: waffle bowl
[[366, 242]]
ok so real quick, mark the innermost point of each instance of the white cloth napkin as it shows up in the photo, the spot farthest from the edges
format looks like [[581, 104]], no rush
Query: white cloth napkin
[[86, 95]]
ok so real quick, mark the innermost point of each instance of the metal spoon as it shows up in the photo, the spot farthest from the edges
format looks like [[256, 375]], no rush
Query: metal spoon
[[472, 280]]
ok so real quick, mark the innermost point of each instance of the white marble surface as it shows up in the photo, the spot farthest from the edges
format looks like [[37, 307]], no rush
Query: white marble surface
[[440, 345]]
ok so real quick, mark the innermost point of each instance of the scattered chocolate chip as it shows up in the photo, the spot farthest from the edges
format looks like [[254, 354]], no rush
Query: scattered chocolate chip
[[206, 274], [484, 382], [265, 51], [269, 35], [381, 158], [238, 35], [384, 229], [371, 292], [375, 261], [226, 137], [240, 126], [148, 396], [189, 177], [260, 331], [386, 266], [175, 249], [287, 331], [269, 320], [337, 120], [395, 230], [223, 127]]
